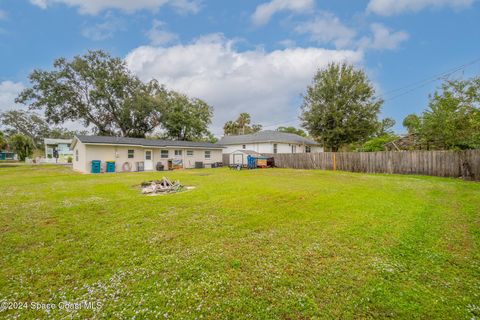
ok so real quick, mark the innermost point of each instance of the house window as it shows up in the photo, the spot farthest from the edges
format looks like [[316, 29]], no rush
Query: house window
[[275, 148], [76, 155], [164, 154], [178, 152], [148, 155], [131, 154], [308, 149], [294, 149], [189, 152], [244, 146], [207, 154]]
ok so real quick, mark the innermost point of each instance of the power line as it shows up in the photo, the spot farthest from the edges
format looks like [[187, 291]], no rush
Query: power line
[[408, 88], [422, 83], [404, 90], [434, 77]]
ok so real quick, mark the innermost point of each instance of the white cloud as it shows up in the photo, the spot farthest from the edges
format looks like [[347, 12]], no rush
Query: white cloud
[[40, 3], [392, 7], [104, 30], [383, 38], [265, 84], [9, 90], [158, 35], [265, 11], [96, 6], [327, 28]]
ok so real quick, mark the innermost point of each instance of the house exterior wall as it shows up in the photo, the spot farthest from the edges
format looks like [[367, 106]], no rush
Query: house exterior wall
[[79, 162], [63, 152], [188, 161], [267, 147], [119, 154]]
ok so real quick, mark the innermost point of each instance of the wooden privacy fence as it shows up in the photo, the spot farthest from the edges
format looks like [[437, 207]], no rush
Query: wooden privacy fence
[[465, 164]]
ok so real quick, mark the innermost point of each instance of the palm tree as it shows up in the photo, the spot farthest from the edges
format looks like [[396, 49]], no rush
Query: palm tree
[[230, 128], [243, 120]]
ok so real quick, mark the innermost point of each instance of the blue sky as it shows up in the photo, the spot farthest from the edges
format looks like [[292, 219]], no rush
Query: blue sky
[[253, 56]]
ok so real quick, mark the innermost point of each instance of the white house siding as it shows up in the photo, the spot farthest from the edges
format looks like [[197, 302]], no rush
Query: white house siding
[[79, 163], [188, 161], [119, 154], [267, 147]]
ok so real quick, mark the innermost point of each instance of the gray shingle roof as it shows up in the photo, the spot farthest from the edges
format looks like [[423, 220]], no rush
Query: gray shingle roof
[[266, 136], [146, 142]]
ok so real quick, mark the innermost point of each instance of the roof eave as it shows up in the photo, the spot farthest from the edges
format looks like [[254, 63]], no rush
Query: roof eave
[[148, 146], [274, 141]]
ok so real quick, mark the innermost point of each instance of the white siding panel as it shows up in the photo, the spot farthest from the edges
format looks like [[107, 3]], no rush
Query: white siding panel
[[119, 154], [267, 147]]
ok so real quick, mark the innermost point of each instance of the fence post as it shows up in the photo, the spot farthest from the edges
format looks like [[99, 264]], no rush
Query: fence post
[[334, 161]]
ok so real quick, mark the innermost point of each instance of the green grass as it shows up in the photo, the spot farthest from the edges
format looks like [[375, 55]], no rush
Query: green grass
[[289, 244]]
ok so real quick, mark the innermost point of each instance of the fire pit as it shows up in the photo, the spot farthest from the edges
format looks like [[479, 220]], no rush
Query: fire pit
[[162, 186]]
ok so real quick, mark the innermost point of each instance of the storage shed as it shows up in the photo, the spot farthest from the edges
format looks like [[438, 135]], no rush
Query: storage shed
[[239, 157]]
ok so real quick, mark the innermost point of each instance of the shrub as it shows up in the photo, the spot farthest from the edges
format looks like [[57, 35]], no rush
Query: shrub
[[21, 145], [378, 143]]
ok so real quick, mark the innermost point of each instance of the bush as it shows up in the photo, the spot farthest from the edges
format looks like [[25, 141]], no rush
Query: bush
[[69, 159], [378, 143], [21, 145]]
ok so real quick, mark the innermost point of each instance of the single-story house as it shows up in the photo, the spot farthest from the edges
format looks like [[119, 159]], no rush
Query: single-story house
[[58, 150], [270, 141], [129, 152]]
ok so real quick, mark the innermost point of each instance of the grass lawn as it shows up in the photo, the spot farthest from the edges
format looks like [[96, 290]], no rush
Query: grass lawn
[[276, 243]]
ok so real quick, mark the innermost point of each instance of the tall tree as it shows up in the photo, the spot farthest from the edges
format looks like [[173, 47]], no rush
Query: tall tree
[[143, 111], [97, 90], [452, 120], [340, 107], [411, 123], [25, 123], [22, 145], [385, 127], [241, 126], [230, 128], [293, 130], [255, 128], [3, 141], [186, 119], [32, 125], [243, 121]]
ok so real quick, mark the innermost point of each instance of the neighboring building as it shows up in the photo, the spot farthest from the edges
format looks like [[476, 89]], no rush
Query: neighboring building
[[239, 157], [129, 152], [58, 150], [269, 141], [7, 155]]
